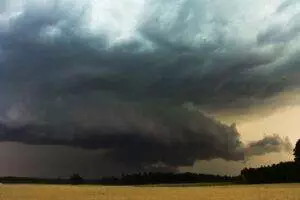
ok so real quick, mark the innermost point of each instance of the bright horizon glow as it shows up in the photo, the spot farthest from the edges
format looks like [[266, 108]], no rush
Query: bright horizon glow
[[284, 122]]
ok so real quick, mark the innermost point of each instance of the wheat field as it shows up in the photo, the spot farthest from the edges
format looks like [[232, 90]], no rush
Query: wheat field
[[233, 192]]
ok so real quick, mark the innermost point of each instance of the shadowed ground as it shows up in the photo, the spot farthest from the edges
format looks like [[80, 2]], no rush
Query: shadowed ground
[[243, 192]]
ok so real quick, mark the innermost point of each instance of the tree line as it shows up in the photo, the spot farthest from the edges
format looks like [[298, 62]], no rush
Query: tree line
[[284, 172], [128, 179], [165, 178]]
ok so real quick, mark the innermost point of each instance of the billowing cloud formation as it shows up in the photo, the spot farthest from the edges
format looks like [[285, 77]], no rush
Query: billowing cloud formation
[[166, 138], [175, 144], [115, 75], [269, 144]]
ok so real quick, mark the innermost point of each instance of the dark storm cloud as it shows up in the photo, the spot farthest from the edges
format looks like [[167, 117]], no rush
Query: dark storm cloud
[[68, 78], [49, 51], [173, 138]]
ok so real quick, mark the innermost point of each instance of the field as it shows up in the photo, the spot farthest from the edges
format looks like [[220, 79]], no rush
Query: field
[[233, 192]]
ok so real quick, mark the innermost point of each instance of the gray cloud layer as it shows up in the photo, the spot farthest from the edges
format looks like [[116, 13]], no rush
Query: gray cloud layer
[[173, 137], [73, 73], [269, 144]]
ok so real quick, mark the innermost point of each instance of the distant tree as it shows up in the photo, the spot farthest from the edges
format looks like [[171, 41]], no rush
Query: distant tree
[[76, 179], [283, 172], [297, 152]]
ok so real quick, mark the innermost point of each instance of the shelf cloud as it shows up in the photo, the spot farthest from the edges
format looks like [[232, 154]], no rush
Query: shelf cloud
[[118, 75]]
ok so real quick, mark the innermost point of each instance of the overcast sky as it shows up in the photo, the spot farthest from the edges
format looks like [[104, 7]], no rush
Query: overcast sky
[[104, 87]]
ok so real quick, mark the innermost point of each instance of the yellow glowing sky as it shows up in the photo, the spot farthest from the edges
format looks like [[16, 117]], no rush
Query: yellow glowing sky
[[277, 115], [284, 121]]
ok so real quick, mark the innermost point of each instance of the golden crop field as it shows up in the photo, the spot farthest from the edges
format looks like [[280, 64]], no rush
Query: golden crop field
[[233, 192]]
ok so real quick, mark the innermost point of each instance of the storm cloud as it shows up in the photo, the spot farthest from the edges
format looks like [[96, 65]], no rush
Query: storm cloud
[[269, 144], [123, 75], [166, 139]]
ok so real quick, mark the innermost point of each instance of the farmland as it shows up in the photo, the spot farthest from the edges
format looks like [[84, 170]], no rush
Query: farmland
[[84, 192]]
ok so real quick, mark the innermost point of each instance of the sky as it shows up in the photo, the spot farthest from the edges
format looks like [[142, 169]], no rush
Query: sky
[[109, 87]]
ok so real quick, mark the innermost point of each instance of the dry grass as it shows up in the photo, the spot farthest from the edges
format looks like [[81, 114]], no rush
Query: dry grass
[[234, 192]]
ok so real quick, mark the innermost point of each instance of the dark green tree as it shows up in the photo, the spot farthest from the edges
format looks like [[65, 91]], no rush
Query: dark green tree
[[76, 179], [297, 152]]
